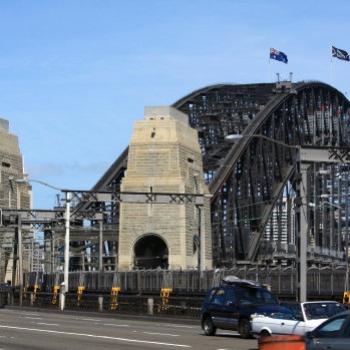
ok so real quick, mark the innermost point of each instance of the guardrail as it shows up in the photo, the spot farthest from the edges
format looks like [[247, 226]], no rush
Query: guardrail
[[127, 304]]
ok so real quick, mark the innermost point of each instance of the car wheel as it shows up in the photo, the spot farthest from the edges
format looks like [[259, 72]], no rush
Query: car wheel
[[265, 333], [208, 326], [244, 329]]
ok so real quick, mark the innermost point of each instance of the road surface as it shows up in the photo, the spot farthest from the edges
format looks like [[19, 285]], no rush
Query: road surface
[[27, 330]]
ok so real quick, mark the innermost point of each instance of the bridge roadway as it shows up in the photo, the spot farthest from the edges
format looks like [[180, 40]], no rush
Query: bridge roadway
[[45, 330]]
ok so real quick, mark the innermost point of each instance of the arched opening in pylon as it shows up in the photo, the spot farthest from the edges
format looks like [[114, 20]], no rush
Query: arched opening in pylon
[[151, 252]]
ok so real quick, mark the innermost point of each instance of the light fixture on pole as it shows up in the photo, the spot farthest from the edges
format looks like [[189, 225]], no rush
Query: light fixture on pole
[[232, 138], [27, 180]]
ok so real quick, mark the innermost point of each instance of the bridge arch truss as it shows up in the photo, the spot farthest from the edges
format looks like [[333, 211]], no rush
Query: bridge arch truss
[[256, 206]]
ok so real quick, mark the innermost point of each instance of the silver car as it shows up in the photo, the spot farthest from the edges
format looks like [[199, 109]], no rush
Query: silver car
[[295, 319]]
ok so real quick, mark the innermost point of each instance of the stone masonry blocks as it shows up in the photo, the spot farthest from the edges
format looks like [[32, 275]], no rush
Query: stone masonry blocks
[[164, 156]]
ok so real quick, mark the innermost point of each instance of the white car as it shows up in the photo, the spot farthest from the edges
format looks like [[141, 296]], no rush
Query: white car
[[294, 318]]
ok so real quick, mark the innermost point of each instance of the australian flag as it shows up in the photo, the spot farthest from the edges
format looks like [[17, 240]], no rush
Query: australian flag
[[278, 55], [341, 54]]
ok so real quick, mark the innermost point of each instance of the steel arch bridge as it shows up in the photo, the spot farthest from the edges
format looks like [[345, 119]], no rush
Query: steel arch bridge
[[259, 195]]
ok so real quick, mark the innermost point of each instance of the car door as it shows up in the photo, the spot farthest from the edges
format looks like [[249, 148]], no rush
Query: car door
[[331, 335], [297, 327], [272, 323], [231, 309], [216, 307], [286, 323]]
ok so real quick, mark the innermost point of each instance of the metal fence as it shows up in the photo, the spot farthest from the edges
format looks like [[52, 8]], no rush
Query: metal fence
[[282, 280]]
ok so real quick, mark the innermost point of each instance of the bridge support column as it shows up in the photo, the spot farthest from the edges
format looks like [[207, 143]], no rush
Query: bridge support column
[[302, 235]]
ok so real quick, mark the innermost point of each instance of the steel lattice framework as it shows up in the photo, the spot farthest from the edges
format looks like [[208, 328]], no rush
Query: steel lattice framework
[[255, 181]]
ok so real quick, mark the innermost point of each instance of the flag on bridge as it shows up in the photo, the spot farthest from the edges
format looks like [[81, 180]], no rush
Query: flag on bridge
[[278, 55], [341, 54]]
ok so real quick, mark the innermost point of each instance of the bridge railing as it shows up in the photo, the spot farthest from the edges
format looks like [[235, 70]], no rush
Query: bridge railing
[[282, 280]]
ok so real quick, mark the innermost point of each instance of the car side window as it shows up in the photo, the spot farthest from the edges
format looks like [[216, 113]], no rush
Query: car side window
[[283, 316], [210, 295], [219, 297], [296, 310], [269, 298], [298, 315], [331, 328], [230, 296]]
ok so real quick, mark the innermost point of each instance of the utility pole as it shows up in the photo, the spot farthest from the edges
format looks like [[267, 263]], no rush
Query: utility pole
[[66, 252], [17, 255], [100, 247], [346, 234], [52, 252], [302, 235], [20, 258], [199, 238]]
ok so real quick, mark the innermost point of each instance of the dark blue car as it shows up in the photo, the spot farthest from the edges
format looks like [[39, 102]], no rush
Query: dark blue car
[[231, 305]]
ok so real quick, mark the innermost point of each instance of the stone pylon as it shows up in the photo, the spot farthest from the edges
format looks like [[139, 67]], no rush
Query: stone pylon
[[13, 194], [164, 157]]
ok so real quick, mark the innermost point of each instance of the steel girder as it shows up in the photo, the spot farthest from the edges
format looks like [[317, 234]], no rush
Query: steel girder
[[255, 176], [254, 181]]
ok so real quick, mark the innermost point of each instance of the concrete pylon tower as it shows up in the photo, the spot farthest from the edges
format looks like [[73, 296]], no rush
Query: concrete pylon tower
[[13, 195], [164, 156]]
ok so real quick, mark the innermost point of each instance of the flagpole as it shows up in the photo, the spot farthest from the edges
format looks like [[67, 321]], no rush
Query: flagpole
[[270, 73], [331, 69]]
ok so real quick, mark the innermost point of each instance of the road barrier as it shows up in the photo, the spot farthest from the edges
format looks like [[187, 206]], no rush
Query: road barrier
[[127, 304]]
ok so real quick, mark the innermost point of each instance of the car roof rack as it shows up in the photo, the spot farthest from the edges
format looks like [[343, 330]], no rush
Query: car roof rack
[[234, 280]]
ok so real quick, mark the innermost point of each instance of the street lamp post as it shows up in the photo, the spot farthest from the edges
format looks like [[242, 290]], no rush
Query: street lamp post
[[18, 249], [20, 258], [66, 250]]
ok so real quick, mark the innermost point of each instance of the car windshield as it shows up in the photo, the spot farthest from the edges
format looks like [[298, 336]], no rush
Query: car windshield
[[314, 311], [256, 296]]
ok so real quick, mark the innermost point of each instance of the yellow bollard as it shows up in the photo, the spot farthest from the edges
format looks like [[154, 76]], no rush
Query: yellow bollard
[[80, 292], [25, 289], [56, 290], [35, 289], [165, 295], [114, 298], [346, 297]]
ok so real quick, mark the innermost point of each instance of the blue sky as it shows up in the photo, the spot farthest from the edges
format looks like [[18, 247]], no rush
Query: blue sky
[[76, 74]]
